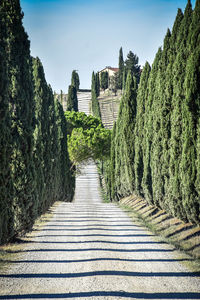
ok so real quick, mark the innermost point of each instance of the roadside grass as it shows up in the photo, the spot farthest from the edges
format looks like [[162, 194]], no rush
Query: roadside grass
[[183, 236], [11, 251]]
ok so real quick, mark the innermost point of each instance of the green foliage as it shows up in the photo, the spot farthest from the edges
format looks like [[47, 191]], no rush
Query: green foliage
[[88, 138], [72, 100], [114, 83], [104, 80], [75, 80], [121, 69], [131, 64], [95, 90]]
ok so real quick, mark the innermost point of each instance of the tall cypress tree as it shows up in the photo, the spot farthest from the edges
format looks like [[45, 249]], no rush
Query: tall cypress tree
[[72, 100], [131, 64], [20, 91], [140, 128], [125, 153], [190, 119], [6, 183], [94, 91], [121, 69], [179, 67], [75, 81], [148, 132]]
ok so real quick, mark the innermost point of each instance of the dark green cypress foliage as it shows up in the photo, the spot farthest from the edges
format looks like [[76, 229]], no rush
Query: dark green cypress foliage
[[148, 132], [140, 127], [97, 83], [95, 104], [179, 67], [190, 120], [72, 100], [104, 82], [112, 164], [124, 156], [131, 64], [6, 183], [75, 80], [167, 109], [67, 179], [20, 91], [40, 91], [161, 127], [121, 69]]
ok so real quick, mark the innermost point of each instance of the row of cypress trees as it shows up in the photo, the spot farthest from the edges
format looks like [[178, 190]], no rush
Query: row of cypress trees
[[34, 163], [155, 150]]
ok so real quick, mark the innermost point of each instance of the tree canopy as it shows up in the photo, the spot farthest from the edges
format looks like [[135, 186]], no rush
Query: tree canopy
[[87, 137]]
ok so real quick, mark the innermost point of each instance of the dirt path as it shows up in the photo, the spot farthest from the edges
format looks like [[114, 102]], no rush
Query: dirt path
[[91, 250]]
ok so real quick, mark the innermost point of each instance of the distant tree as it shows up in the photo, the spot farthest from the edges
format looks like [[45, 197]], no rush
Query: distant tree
[[104, 80], [131, 64], [97, 84], [121, 69], [94, 91], [114, 83], [88, 137], [75, 80], [72, 100]]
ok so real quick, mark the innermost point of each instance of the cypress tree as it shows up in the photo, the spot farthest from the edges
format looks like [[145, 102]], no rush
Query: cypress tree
[[104, 80], [190, 119], [168, 94], [148, 132], [179, 67], [20, 91], [6, 183], [125, 140], [97, 83], [112, 164], [121, 69], [75, 80], [140, 127], [72, 100], [94, 91], [131, 64]]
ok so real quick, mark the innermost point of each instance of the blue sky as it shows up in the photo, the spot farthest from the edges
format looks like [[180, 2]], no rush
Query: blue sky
[[86, 35]]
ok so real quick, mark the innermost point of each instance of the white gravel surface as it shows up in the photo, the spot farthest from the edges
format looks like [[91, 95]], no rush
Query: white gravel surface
[[92, 250]]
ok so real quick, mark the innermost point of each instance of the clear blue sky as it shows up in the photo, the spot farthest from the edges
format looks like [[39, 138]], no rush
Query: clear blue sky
[[86, 35]]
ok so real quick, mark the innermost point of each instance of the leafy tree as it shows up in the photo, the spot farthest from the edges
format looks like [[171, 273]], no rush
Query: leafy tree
[[88, 138], [104, 80], [75, 80], [121, 69], [72, 100]]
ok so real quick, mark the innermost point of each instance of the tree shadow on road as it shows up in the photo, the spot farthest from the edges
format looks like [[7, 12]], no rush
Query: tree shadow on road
[[94, 294]]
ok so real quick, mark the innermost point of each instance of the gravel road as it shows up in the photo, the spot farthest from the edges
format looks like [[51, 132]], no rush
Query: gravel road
[[92, 250]]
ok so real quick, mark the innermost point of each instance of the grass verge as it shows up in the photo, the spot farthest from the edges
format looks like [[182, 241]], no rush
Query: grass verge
[[183, 236]]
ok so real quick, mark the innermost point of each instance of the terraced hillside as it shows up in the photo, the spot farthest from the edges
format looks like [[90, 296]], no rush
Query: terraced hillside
[[84, 99], [109, 106]]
